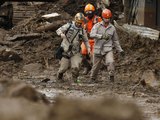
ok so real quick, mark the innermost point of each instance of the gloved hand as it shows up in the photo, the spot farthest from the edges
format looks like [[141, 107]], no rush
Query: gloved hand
[[105, 36], [122, 54], [63, 36]]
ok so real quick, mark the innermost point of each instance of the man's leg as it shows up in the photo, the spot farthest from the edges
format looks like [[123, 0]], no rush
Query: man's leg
[[64, 64], [109, 59], [85, 61], [95, 68], [75, 65]]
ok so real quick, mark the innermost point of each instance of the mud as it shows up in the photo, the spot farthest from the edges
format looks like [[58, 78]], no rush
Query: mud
[[141, 55]]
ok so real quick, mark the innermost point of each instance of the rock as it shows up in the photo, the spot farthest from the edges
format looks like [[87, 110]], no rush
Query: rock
[[18, 89], [100, 109], [8, 54], [149, 77], [33, 68], [21, 109]]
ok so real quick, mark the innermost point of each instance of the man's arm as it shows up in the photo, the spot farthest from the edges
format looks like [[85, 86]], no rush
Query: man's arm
[[116, 42], [85, 39], [94, 34], [62, 29]]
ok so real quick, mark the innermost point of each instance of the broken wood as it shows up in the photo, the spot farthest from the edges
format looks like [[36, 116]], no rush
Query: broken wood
[[52, 17], [23, 36], [46, 62], [119, 27], [7, 43], [50, 26]]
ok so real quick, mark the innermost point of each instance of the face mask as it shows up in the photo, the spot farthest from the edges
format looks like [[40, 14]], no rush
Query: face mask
[[90, 14], [106, 20]]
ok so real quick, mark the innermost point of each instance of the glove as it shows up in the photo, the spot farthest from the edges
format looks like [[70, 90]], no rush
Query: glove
[[80, 36], [63, 36], [105, 36], [122, 54]]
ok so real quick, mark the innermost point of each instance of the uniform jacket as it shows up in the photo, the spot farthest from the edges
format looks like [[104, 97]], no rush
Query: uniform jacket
[[89, 23], [71, 36], [103, 46]]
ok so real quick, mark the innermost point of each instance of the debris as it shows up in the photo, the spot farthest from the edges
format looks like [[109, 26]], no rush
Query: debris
[[46, 62], [149, 78], [24, 36], [33, 67], [50, 26], [52, 17], [143, 31], [9, 54]]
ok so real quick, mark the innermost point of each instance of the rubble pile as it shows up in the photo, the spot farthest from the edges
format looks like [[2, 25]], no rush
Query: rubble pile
[[142, 54]]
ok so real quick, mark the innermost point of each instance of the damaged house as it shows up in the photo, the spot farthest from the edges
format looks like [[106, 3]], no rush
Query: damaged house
[[143, 12]]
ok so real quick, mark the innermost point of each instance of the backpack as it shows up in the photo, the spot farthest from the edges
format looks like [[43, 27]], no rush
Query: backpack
[[59, 51]]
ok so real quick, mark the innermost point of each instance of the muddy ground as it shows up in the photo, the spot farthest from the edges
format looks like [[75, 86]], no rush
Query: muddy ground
[[38, 67]]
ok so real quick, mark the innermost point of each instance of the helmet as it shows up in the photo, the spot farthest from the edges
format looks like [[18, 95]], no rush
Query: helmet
[[89, 7], [79, 18], [106, 13]]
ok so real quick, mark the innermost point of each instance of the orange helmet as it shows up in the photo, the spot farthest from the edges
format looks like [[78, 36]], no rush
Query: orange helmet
[[106, 13], [89, 7], [79, 18]]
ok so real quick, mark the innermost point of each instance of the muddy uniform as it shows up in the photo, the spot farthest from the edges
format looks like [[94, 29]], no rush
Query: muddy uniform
[[104, 48], [71, 55]]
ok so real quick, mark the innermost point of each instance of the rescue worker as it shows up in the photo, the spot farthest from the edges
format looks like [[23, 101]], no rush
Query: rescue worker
[[106, 38], [72, 34], [90, 20]]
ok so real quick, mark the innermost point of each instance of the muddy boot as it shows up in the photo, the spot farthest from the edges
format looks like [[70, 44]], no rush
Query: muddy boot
[[60, 77], [111, 78], [87, 67], [75, 74]]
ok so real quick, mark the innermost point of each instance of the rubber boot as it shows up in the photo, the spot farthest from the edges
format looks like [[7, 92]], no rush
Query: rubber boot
[[75, 74], [87, 67]]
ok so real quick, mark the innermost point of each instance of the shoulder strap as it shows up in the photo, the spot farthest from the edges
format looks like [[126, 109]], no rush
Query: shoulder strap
[[70, 24], [75, 36], [82, 31]]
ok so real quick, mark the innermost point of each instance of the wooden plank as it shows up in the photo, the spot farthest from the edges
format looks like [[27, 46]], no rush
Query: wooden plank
[[24, 36]]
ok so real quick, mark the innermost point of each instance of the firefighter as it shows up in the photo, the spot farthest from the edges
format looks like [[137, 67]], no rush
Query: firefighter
[[90, 20], [106, 38], [72, 34]]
